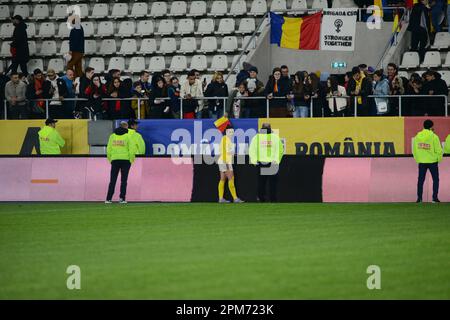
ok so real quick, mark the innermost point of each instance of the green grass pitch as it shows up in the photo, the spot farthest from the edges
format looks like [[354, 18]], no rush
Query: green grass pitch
[[211, 251]]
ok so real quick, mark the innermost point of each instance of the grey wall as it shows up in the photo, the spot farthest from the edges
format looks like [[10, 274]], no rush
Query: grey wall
[[369, 48]]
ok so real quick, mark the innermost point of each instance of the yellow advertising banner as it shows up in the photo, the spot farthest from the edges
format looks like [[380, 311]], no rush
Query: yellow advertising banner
[[371, 136], [19, 137]]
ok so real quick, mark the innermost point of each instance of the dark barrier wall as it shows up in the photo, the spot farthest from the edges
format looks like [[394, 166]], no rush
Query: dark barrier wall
[[299, 180]]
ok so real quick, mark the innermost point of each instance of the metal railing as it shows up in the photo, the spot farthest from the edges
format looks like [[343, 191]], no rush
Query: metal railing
[[226, 99]]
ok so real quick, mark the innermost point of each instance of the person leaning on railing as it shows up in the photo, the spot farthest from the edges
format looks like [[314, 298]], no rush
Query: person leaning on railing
[[38, 89], [15, 95], [277, 87], [336, 104], [158, 101], [433, 86]]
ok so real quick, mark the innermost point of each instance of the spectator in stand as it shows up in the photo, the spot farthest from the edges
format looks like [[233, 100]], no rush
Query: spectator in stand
[[381, 88], [84, 81], [54, 107], [174, 94], [114, 106], [277, 89], [111, 75], [167, 75], [414, 106], [95, 92], [359, 87], [237, 107], [20, 54], [3, 81], [38, 89], [253, 74], [397, 89], [76, 47], [392, 71], [312, 93], [191, 90], [285, 74], [204, 84], [336, 104], [140, 107], [15, 90], [66, 89], [159, 105], [125, 92], [254, 108], [301, 109], [437, 8], [434, 86], [419, 21], [217, 88], [146, 86], [347, 77]]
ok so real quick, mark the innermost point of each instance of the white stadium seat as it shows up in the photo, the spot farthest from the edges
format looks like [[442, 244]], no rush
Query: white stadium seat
[[128, 47], [40, 12], [239, 65], [188, 45], [105, 29], [410, 60], [441, 41], [231, 82], [32, 48], [22, 10], [148, 46], [88, 28], [60, 12], [319, 4], [208, 45], [6, 30], [83, 8], [299, 5], [159, 9], [34, 64], [139, 9], [218, 8], [185, 26], [226, 26], [198, 9], [447, 61], [229, 44], [90, 46], [168, 45], [65, 47], [157, 64], [48, 48], [238, 8], [119, 10], [205, 26], [246, 40], [178, 64], [199, 62], [178, 8], [258, 8], [108, 46], [403, 74], [56, 64], [127, 29], [247, 25], [31, 29], [137, 64], [166, 27], [116, 63], [278, 6], [46, 30], [97, 63], [219, 63], [432, 60], [100, 10], [145, 28], [445, 75], [4, 51], [63, 31], [4, 12]]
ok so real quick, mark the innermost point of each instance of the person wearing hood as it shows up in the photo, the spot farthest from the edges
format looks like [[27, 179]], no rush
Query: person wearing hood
[[381, 88], [121, 153], [19, 46], [427, 151], [50, 141], [434, 86], [159, 103]]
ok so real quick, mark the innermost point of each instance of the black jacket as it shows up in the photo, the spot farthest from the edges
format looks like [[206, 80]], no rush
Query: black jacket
[[366, 89], [76, 40], [30, 92], [435, 106], [20, 42], [215, 89], [416, 17], [284, 88], [157, 110]]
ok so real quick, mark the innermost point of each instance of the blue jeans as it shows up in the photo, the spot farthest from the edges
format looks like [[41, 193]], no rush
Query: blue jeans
[[435, 14], [301, 112]]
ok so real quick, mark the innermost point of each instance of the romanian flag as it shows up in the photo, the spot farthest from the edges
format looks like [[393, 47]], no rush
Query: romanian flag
[[296, 33], [222, 123]]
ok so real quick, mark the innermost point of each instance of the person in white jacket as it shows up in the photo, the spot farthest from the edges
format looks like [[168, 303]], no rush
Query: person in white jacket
[[336, 97], [190, 91]]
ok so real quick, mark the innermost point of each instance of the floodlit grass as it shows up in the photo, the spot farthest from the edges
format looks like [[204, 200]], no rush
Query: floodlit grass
[[211, 251]]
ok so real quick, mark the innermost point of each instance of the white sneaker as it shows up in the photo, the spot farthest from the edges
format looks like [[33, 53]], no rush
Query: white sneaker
[[223, 201], [237, 200], [108, 202], [121, 201]]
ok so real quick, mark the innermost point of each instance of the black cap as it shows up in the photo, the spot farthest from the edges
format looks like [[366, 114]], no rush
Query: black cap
[[17, 17], [50, 120], [428, 124], [132, 122], [252, 68]]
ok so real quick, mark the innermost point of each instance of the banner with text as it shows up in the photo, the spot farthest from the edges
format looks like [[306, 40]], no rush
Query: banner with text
[[338, 29]]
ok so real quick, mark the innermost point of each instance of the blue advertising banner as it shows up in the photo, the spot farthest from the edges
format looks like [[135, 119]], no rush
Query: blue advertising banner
[[192, 137]]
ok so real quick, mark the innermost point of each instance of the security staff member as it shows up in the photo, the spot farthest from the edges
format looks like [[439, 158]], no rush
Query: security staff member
[[428, 153], [447, 145], [136, 137], [266, 151], [121, 153], [50, 140]]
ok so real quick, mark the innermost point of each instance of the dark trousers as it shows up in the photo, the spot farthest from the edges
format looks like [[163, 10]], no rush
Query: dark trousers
[[434, 170], [263, 180], [15, 64], [419, 40], [124, 167], [76, 63], [18, 112]]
